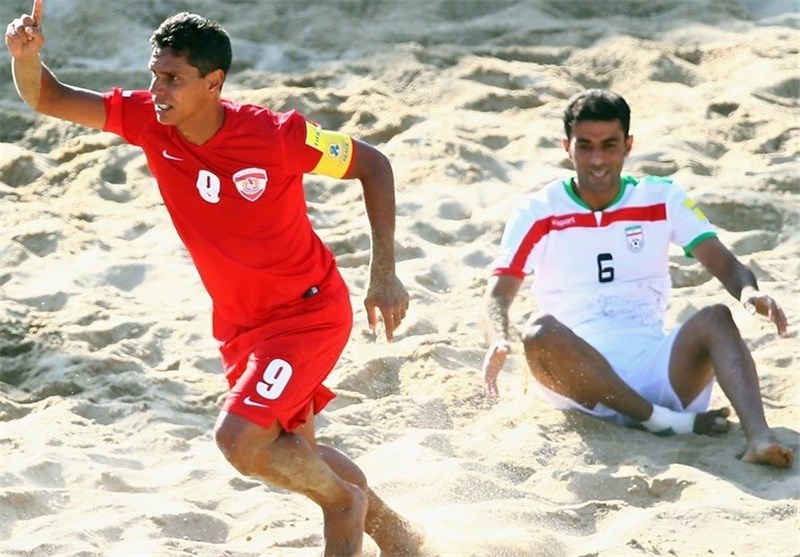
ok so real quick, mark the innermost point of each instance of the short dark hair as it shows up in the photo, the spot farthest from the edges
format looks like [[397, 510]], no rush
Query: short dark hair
[[596, 105], [203, 42]]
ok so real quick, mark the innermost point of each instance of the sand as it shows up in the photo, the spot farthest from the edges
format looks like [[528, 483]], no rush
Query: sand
[[110, 378]]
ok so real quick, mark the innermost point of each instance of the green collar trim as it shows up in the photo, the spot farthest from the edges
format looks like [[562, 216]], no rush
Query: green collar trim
[[625, 182]]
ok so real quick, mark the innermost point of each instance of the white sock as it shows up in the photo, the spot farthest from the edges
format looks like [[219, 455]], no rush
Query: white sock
[[664, 421]]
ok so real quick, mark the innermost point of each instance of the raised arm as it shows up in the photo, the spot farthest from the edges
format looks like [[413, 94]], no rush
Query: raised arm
[[385, 292], [739, 281], [36, 84]]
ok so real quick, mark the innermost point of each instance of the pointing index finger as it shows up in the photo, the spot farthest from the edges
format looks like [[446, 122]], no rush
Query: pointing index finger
[[38, 10]]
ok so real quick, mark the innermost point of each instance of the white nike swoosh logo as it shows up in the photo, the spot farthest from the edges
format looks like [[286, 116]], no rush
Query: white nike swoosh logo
[[169, 157], [250, 402]]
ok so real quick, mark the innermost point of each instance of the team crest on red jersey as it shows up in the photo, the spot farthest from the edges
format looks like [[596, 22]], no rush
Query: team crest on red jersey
[[251, 182]]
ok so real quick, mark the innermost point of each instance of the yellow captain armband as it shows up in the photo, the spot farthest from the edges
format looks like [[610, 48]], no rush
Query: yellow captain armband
[[336, 149], [689, 204]]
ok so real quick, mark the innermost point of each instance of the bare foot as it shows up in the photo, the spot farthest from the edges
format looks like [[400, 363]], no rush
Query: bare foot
[[770, 453], [394, 535], [405, 540], [712, 422], [344, 527]]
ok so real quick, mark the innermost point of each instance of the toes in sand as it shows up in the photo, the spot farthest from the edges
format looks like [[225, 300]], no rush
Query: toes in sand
[[771, 454]]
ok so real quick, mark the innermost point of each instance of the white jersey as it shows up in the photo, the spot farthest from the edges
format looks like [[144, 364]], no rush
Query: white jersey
[[602, 273]]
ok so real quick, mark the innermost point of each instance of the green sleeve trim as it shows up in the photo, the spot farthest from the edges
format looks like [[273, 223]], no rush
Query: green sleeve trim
[[689, 248]]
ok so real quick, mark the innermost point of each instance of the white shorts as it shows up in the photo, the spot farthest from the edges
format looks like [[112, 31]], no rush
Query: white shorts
[[642, 362]]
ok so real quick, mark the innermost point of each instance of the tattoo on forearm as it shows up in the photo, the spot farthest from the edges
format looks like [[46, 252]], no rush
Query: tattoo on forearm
[[497, 310]]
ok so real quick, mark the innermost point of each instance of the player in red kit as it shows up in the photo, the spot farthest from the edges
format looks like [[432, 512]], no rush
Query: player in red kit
[[231, 177]]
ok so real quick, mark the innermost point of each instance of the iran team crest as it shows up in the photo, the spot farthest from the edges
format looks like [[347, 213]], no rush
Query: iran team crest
[[251, 182], [634, 235]]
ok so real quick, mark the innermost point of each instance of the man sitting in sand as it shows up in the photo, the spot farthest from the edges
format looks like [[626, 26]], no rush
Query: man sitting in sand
[[231, 178], [597, 246]]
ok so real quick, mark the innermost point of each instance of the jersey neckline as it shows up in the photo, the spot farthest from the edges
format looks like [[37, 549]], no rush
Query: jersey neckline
[[217, 138], [626, 180]]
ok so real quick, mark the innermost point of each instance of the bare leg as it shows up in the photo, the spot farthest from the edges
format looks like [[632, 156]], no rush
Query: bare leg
[[395, 536], [565, 363], [710, 343], [288, 461]]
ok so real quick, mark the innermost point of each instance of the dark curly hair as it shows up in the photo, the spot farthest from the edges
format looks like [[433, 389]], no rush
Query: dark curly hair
[[203, 42]]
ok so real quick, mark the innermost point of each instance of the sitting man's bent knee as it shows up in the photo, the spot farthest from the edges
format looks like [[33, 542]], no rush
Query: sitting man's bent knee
[[540, 329]]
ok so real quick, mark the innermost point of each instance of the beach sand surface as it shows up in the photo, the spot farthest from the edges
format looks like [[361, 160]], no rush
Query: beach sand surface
[[110, 381]]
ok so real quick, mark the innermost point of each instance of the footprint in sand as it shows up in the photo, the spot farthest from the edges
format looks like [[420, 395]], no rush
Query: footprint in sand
[[138, 229], [781, 144], [444, 233], [197, 526], [108, 413], [115, 461], [593, 66], [684, 273], [636, 490], [15, 126], [113, 177], [785, 92], [744, 214], [711, 149], [348, 242], [655, 167], [407, 249], [584, 519], [436, 278], [47, 302], [106, 335], [477, 259], [27, 504], [754, 241], [46, 474], [494, 77], [126, 277], [721, 109], [495, 142], [19, 167], [501, 101], [244, 484], [381, 130], [667, 68], [41, 243], [421, 327], [454, 210], [10, 409], [114, 482], [700, 168]]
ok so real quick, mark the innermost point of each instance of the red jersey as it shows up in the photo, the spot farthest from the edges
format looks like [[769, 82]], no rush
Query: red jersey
[[237, 202]]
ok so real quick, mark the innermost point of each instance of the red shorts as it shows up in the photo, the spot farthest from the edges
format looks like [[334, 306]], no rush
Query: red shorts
[[278, 374]]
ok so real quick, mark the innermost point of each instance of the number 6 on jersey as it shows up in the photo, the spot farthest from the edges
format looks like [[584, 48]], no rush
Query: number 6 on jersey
[[605, 272]]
